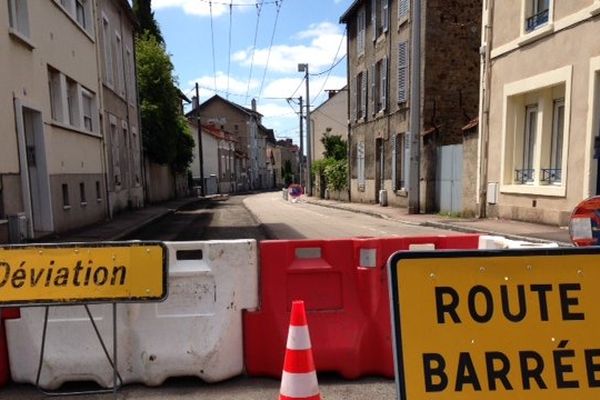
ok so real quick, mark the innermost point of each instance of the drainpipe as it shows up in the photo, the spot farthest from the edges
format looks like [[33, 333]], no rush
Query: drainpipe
[[484, 106]]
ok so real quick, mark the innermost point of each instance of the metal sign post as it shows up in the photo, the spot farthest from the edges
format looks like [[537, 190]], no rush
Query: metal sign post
[[83, 274], [492, 325]]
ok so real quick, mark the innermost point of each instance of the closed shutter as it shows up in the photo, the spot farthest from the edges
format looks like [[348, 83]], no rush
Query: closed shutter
[[363, 97], [383, 90], [402, 71], [385, 16], [374, 18], [354, 97], [403, 8], [373, 86], [394, 162]]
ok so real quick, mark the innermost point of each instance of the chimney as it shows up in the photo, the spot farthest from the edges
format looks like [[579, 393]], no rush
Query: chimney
[[254, 105]]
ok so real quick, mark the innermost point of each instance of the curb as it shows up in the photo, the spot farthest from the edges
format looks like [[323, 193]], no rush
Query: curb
[[442, 225]]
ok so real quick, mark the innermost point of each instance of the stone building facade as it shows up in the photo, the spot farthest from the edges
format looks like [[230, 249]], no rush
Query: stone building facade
[[379, 67]]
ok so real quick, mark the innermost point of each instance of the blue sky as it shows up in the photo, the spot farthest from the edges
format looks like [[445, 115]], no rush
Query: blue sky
[[307, 31]]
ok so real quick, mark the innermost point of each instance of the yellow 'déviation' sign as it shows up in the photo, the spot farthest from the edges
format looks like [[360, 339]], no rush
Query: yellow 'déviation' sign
[[496, 325], [83, 273]]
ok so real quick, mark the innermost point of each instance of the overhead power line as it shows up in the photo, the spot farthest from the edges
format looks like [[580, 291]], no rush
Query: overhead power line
[[257, 4], [279, 4], [259, 9], [212, 36], [333, 65]]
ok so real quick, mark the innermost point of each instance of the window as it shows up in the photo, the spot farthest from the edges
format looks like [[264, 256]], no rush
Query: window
[[82, 197], [81, 13], [360, 165], [379, 86], [115, 153], [403, 10], [130, 75], [536, 133], [398, 161], [18, 18], [361, 96], [55, 90], [527, 171], [538, 14], [72, 102], [65, 196], [402, 72], [108, 63], [379, 17], [553, 173], [98, 192], [361, 28], [119, 79], [87, 100]]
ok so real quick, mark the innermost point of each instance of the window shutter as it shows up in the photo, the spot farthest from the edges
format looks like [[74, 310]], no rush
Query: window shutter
[[402, 71], [374, 18], [383, 92], [385, 15], [394, 162], [403, 8], [363, 98], [372, 95], [354, 97]]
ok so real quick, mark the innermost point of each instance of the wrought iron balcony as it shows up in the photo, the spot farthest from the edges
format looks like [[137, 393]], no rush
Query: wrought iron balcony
[[524, 175], [551, 175], [537, 20]]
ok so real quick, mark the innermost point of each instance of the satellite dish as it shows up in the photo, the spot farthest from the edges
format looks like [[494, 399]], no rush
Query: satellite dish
[[584, 225]]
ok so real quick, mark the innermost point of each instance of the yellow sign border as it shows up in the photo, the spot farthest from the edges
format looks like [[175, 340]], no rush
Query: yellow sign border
[[395, 265], [50, 288]]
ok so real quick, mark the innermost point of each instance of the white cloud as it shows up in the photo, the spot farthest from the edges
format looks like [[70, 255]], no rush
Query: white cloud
[[285, 87], [324, 38], [199, 7]]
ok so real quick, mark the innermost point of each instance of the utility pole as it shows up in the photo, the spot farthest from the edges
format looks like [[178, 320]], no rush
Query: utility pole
[[415, 110], [200, 156], [301, 155], [304, 68]]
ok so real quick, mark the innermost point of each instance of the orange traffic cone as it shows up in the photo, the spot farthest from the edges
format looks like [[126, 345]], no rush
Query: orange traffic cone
[[299, 378]]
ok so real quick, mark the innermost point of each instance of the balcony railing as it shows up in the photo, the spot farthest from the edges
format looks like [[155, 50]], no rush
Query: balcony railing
[[524, 175], [551, 175], [536, 20]]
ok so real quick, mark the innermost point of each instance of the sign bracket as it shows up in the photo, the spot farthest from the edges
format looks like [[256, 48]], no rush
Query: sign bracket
[[117, 380]]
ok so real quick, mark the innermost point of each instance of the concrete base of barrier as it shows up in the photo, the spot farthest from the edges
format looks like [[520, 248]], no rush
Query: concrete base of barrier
[[197, 331], [72, 349]]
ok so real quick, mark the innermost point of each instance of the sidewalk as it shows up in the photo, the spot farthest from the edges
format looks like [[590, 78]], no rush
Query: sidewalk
[[516, 230], [122, 224]]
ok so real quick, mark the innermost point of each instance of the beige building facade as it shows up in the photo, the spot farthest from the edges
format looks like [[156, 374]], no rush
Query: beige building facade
[[331, 117], [540, 108], [51, 164], [120, 117]]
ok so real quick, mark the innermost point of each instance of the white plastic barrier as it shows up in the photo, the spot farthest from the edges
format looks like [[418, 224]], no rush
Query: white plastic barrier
[[72, 349], [500, 242], [197, 331]]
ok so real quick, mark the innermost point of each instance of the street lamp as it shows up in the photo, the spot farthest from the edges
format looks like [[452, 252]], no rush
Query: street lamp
[[304, 68]]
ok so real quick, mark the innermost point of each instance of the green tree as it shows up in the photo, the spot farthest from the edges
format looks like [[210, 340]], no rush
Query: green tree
[[145, 16], [335, 146], [164, 131]]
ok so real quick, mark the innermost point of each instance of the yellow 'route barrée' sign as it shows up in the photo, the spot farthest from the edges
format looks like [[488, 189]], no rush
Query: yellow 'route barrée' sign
[[519, 324], [128, 271]]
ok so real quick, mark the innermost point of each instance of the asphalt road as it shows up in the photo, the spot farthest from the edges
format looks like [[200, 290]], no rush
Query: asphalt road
[[258, 216]]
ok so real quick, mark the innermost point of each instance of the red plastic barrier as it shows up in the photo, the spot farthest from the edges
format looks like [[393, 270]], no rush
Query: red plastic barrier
[[343, 283], [4, 366]]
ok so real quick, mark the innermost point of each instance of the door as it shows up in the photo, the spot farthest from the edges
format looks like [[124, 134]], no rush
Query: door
[[449, 185]]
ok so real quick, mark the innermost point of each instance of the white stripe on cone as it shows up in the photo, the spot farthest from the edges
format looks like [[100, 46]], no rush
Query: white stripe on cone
[[299, 385], [298, 338]]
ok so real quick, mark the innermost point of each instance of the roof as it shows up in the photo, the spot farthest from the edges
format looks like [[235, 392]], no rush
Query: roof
[[216, 97], [350, 11], [218, 133], [344, 89]]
